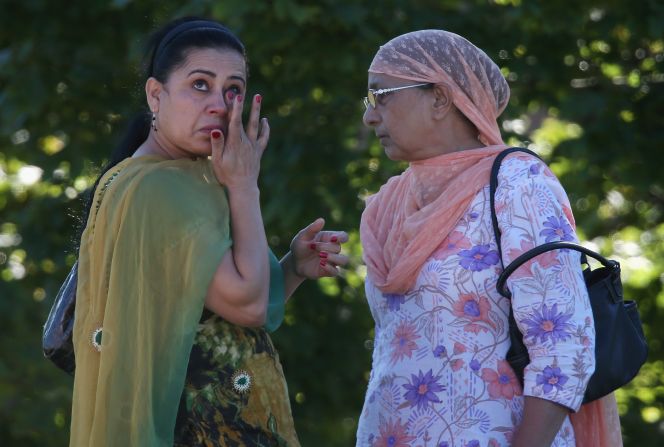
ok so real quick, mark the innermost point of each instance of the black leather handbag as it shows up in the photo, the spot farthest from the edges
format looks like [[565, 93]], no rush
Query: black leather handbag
[[57, 340], [620, 345]]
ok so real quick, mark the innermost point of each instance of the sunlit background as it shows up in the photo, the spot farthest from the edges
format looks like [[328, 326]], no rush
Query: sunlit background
[[587, 85]]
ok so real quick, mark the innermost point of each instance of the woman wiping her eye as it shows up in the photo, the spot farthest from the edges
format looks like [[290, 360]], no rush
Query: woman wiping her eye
[[177, 287]]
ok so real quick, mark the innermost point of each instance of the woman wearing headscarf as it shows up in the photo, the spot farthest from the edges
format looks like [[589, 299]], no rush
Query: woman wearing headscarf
[[439, 375]]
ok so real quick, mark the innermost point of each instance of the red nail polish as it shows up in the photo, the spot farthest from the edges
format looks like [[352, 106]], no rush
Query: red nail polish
[[216, 134], [259, 98], [323, 263], [230, 96], [334, 239], [239, 98], [312, 246], [322, 254]]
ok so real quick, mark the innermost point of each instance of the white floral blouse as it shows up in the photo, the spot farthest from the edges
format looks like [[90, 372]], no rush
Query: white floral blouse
[[439, 376]]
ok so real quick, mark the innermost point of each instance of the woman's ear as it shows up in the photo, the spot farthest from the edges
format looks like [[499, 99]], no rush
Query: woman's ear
[[443, 100], [152, 92]]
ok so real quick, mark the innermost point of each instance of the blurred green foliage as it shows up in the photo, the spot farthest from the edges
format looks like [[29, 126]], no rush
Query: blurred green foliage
[[587, 85]]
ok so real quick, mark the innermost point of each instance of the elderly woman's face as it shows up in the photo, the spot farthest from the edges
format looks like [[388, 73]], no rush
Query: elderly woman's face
[[401, 119], [197, 97]]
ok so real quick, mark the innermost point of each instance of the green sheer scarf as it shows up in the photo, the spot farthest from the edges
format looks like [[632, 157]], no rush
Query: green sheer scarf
[[148, 253]]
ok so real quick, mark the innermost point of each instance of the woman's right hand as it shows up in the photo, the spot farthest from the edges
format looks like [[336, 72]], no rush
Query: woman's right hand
[[239, 289], [236, 157]]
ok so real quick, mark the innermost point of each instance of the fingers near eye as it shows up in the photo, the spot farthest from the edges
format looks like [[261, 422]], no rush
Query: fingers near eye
[[264, 134], [236, 113], [252, 127]]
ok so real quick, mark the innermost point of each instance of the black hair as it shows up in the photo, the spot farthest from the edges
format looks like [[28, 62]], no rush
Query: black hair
[[166, 50], [170, 44]]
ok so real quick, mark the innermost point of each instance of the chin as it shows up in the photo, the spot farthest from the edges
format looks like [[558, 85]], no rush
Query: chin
[[202, 149], [393, 155]]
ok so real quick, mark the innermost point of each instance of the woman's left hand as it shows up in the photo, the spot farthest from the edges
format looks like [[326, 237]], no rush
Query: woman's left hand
[[317, 253]]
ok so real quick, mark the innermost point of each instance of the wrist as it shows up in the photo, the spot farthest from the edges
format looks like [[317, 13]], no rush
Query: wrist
[[248, 188], [288, 262]]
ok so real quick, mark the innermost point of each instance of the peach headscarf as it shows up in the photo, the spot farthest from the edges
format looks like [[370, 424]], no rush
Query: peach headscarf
[[479, 89], [414, 212]]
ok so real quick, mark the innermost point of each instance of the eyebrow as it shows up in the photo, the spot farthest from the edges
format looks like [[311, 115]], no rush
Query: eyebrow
[[214, 75]]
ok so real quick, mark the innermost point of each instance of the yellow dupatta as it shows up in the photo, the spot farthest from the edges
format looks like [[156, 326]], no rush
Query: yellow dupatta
[[147, 255]]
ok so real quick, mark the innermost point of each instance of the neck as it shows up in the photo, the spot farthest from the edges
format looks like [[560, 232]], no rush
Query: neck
[[447, 146], [154, 146], [468, 143], [457, 133], [457, 137]]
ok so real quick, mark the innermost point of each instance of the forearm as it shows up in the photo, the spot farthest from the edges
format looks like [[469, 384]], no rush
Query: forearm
[[238, 291], [291, 279], [541, 422], [250, 250]]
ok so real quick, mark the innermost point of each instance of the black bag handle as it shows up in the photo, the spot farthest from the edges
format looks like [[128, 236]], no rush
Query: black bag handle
[[617, 322], [527, 256], [507, 271]]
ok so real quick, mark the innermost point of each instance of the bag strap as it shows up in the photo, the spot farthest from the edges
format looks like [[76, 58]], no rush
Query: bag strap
[[527, 256], [493, 185]]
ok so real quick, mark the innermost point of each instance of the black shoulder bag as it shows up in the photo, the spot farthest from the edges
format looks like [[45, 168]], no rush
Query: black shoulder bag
[[620, 346], [57, 338]]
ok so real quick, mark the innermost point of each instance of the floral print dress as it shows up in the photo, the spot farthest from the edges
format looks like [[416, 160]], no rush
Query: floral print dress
[[235, 394], [439, 376]]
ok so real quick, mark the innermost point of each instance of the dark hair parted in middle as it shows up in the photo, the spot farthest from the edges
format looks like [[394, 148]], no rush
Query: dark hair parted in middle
[[167, 50], [170, 45]]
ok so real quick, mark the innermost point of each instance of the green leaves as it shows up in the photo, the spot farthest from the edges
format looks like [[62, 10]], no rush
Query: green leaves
[[587, 89]]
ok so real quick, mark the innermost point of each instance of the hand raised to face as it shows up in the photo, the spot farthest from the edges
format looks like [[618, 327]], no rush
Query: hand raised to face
[[236, 156]]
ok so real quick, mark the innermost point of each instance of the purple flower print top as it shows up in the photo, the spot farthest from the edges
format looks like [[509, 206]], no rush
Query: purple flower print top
[[439, 375]]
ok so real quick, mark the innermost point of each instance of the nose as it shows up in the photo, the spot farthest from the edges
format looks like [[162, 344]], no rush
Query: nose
[[370, 117], [219, 105]]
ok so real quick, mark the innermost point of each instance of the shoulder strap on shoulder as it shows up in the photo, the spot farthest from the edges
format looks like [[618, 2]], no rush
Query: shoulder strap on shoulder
[[493, 185]]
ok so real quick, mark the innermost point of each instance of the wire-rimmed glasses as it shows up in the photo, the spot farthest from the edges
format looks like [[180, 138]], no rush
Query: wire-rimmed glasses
[[372, 94]]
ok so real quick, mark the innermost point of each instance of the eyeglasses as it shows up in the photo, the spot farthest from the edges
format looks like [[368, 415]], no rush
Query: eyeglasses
[[372, 95]]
